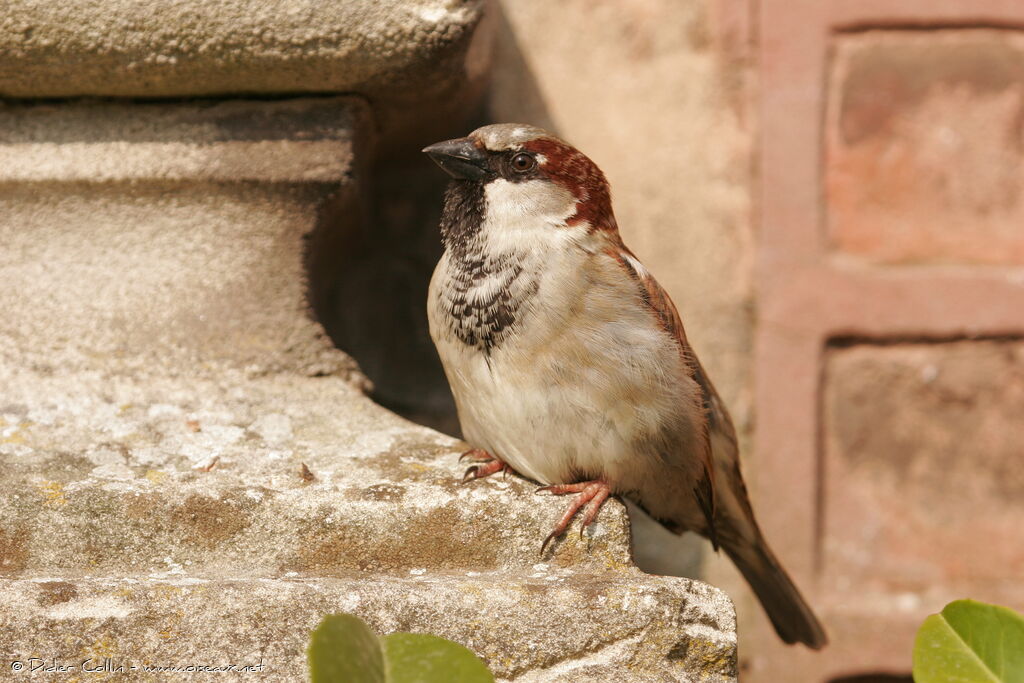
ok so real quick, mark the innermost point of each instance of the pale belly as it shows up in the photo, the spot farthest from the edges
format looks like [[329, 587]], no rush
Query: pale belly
[[592, 404], [541, 426]]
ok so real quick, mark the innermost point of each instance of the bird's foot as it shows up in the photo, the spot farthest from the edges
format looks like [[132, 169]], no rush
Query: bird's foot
[[484, 464], [593, 492]]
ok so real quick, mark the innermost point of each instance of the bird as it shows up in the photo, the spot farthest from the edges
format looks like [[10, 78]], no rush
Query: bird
[[569, 364]]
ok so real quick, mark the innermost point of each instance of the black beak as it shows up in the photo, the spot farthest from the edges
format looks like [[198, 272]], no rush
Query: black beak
[[460, 158]]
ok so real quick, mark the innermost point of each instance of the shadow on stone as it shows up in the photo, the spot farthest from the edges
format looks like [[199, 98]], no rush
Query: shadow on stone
[[369, 274], [368, 287]]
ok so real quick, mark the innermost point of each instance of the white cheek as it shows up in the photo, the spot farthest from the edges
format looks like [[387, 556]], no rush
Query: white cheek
[[529, 218], [538, 200]]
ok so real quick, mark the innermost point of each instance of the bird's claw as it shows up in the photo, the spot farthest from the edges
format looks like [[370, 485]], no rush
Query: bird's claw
[[476, 454], [594, 493], [484, 466], [544, 545]]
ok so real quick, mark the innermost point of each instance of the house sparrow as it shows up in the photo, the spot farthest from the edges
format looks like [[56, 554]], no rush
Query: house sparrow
[[569, 364]]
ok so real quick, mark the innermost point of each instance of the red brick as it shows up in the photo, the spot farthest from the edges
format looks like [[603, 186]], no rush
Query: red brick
[[924, 489], [870, 507], [924, 146]]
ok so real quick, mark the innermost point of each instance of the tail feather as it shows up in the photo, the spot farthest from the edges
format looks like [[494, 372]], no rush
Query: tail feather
[[789, 612]]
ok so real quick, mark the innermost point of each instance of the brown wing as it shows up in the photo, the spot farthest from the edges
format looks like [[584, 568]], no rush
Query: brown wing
[[741, 538], [716, 417]]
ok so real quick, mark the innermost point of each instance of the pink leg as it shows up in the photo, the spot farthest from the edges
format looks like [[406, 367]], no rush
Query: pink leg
[[484, 464], [593, 492]]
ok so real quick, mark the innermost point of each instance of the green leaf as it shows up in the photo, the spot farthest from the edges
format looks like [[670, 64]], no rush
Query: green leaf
[[423, 658], [970, 642], [343, 649]]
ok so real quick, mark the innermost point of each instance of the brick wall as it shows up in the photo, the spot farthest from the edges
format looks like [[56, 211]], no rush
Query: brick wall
[[889, 366]]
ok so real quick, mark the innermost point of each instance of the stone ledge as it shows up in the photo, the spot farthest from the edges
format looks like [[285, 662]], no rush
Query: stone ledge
[[99, 476], [213, 525], [423, 63], [552, 625], [301, 140], [114, 543], [232, 46]]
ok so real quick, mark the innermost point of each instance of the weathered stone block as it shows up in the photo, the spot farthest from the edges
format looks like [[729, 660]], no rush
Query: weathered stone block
[[550, 626], [924, 148], [101, 477], [142, 231], [115, 542], [421, 61]]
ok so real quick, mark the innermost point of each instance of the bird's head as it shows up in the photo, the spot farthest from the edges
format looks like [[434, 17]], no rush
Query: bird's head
[[518, 178]]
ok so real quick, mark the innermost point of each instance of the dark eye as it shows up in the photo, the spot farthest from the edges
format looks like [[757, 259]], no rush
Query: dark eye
[[521, 163]]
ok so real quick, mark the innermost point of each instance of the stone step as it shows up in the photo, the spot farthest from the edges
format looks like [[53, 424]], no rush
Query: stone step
[[213, 524], [105, 476], [549, 625], [115, 543]]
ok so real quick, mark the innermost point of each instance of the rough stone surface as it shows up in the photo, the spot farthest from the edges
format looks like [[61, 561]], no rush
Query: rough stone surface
[[616, 627], [426, 55], [115, 541], [145, 233], [925, 148], [101, 477]]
